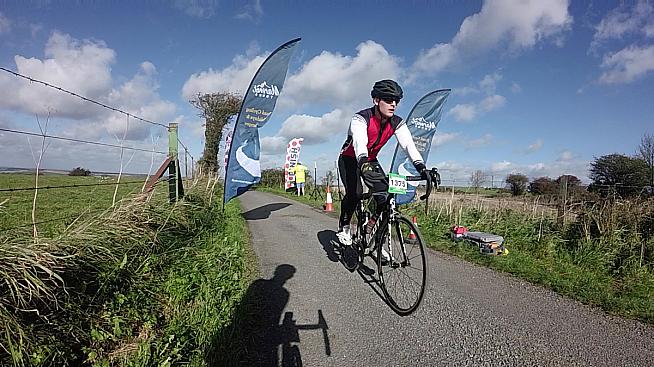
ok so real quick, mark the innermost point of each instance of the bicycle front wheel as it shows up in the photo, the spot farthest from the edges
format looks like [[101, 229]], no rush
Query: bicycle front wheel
[[402, 266]]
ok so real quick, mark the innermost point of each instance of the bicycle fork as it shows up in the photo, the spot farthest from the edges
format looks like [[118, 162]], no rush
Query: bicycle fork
[[405, 259]]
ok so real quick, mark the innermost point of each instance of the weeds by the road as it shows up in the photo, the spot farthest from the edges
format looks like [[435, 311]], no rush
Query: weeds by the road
[[145, 284]]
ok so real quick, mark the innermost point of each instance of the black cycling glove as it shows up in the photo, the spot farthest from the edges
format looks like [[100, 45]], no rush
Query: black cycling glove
[[421, 168], [365, 166]]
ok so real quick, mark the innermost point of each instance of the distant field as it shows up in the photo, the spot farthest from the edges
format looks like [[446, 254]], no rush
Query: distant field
[[57, 208]]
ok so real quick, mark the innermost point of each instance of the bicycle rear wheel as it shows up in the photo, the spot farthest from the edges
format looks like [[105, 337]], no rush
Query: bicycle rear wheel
[[404, 276]]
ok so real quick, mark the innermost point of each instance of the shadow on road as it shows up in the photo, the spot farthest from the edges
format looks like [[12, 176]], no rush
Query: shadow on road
[[335, 252], [263, 212], [255, 335], [347, 256]]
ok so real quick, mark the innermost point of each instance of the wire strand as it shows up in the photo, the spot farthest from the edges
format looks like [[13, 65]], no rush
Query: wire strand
[[80, 141], [82, 97], [82, 185], [52, 220]]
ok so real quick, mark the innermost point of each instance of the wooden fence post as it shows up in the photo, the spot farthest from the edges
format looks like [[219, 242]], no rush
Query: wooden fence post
[[173, 187]]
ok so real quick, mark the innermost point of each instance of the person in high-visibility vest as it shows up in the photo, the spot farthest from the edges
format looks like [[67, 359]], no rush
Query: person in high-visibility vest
[[300, 177]]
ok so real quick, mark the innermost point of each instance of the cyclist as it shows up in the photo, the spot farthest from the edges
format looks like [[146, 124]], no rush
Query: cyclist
[[369, 130]]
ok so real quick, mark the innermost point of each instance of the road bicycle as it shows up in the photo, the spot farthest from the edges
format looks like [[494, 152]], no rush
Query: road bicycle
[[395, 243]]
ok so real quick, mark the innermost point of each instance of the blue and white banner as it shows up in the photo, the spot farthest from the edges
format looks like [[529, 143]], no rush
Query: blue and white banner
[[422, 122], [243, 167]]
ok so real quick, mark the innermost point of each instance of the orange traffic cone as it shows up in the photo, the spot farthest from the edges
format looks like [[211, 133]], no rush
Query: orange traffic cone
[[412, 236], [329, 207]]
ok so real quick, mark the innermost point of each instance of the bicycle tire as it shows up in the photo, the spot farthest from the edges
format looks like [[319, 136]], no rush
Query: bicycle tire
[[412, 261]]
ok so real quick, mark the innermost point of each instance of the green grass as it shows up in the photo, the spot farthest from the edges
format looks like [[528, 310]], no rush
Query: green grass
[[147, 283], [542, 253], [57, 208]]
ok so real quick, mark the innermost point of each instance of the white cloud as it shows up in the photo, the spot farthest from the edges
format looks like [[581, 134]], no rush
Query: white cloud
[[503, 166], [470, 111], [487, 86], [627, 65], [330, 80], [535, 146], [516, 25], [536, 169], [252, 12], [485, 140], [489, 83], [315, 130], [624, 20], [493, 102], [84, 67], [234, 78], [271, 145], [565, 156], [464, 91], [197, 8], [5, 24], [516, 88], [463, 112], [649, 30], [80, 66], [340, 81], [443, 138]]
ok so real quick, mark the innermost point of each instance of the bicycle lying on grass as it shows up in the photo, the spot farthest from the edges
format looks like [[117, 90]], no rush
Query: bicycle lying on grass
[[396, 245]]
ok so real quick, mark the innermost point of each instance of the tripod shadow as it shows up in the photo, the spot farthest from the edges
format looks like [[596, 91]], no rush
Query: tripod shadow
[[263, 212]]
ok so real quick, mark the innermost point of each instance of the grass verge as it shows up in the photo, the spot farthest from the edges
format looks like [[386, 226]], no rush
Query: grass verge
[[145, 284]]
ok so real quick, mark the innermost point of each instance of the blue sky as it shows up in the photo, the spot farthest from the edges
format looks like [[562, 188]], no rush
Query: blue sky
[[539, 87]]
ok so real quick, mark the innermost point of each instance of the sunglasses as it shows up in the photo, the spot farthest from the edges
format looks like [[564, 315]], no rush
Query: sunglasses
[[391, 100]]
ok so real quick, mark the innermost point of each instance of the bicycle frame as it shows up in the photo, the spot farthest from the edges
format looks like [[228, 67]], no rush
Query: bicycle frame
[[387, 237], [386, 218]]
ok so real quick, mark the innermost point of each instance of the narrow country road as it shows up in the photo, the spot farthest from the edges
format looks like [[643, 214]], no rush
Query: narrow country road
[[317, 313]]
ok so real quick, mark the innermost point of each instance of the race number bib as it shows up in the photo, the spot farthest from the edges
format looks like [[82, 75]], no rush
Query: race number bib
[[396, 184]]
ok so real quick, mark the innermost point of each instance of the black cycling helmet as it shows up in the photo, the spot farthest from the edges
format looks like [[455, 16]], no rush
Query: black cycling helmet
[[387, 89]]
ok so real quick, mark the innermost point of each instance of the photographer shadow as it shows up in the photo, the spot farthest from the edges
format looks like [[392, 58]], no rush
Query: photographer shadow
[[255, 337]]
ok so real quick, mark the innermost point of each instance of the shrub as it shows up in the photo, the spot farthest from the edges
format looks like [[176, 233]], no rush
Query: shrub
[[79, 171]]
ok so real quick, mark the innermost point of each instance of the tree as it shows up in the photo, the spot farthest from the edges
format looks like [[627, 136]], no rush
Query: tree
[[646, 150], [570, 188], [216, 108], [570, 180], [79, 171], [477, 178], [543, 186], [517, 183], [625, 175], [330, 178], [272, 177]]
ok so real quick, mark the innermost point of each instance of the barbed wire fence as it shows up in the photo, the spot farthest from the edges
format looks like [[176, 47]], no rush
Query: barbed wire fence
[[13, 194]]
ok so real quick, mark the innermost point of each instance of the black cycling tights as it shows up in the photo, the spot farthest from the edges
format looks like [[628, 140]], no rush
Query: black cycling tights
[[350, 176]]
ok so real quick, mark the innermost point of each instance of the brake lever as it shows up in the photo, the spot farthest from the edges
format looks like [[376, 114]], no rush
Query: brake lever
[[429, 185]]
